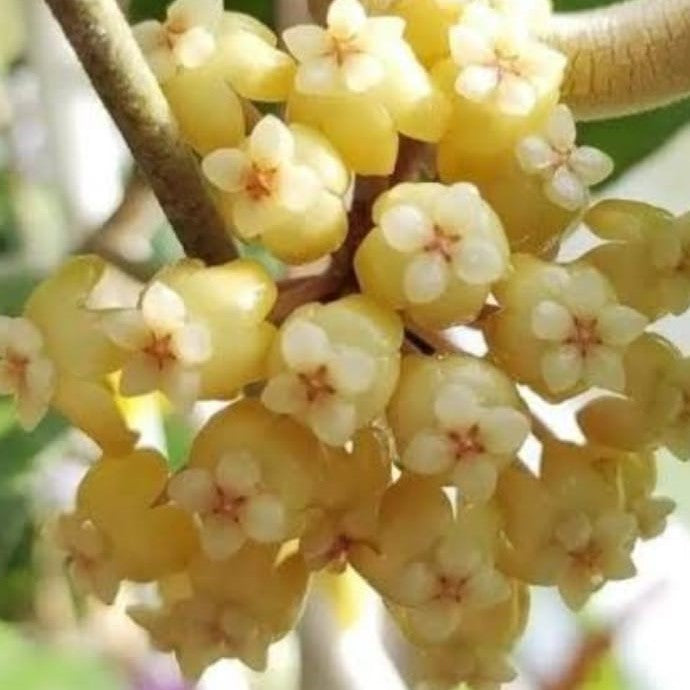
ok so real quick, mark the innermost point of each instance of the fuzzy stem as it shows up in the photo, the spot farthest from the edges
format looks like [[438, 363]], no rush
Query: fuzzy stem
[[103, 41], [627, 58]]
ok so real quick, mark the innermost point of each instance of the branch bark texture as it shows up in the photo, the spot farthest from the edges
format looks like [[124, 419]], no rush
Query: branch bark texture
[[101, 38]]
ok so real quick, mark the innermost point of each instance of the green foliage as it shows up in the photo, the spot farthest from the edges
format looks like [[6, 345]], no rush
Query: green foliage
[[606, 675], [155, 9], [28, 666], [178, 440]]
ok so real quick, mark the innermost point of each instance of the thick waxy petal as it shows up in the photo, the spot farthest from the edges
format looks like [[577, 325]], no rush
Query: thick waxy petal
[[192, 344], [476, 478], [271, 143], [566, 189], [428, 452], [535, 155], [126, 328], [162, 308], [415, 584], [586, 293], [361, 72], [227, 169], [516, 95], [195, 12], [560, 128], [238, 473], [469, 46], [551, 321], [478, 262], [264, 519], [193, 490], [345, 18], [194, 47], [456, 407], [477, 82], [333, 420], [619, 325], [284, 394], [435, 621], [604, 368], [562, 368], [352, 370], [590, 164], [307, 42], [298, 187], [426, 278], [221, 537], [305, 346], [503, 430], [406, 228]]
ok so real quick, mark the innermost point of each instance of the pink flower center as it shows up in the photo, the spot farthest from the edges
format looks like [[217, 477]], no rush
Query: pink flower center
[[443, 244], [159, 349], [317, 384], [260, 182], [585, 335], [466, 444]]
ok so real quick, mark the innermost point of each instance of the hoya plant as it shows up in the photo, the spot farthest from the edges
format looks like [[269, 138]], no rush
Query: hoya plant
[[416, 164]]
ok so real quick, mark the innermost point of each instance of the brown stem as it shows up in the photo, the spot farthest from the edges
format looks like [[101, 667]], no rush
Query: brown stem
[[626, 58], [102, 40]]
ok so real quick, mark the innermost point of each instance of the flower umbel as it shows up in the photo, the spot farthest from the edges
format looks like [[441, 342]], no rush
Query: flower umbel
[[231, 504], [470, 441], [453, 240], [166, 349], [567, 170], [590, 332], [25, 371], [185, 40], [321, 382], [500, 60], [346, 56]]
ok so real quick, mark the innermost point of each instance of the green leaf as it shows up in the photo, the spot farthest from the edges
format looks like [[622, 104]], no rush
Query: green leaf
[[178, 440], [155, 9], [28, 666], [606, 675]]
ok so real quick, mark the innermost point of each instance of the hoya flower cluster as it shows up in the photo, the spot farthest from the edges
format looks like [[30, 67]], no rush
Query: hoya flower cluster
[[295, 474]]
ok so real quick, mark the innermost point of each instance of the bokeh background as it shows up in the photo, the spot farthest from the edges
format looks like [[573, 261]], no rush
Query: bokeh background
[[67, 184]]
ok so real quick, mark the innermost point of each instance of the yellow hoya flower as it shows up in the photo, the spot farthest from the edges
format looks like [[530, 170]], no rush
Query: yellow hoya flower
[[359, 82], [443, 248], [205, 58], [249, 479], [90, 561], [561, 328], [285, 186], [235, 609], [177, 339], [121, 496], [334, 366], [458, 420], [54, 356]]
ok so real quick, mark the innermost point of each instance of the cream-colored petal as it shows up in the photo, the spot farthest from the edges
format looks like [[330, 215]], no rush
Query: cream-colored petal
[[477, 82], [476, 479], [192, 344], [426, 278], [487, 588], [352, 370], [361, 72], [162, 63], [238, 473], [194, 48], [40, 378], [307, 41], [221, 537], [264, 519], [195, 12], [30, 410], [163, 309], [560, 128], [406, 228], [149, 35], [298, 187], [319, 76], [574, 532], [535, 155], [551, 321], [562, 368], [227, 169], [415, 584], [193, 489], [469, 46], [565, 189], [284, 394], [478, 262], [305, 346], [457, 558], [618, 325], [586, 293], [591, 165], [251, 217], [345, 18], [456, 407], [24, 337], [574, 587], [428, 452], [333, 420], [271, 143], [435, 621], [126, 328], [460, 211], [515, 95], [604, 368], [615, 529], [181, 386], [139, 376], [503, 430]]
